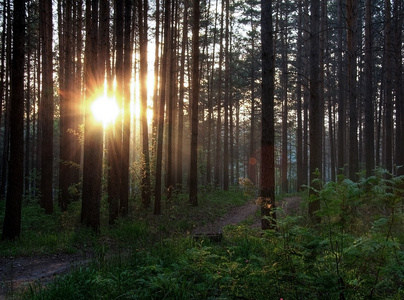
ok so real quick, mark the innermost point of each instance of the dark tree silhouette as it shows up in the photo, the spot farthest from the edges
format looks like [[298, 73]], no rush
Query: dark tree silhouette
[[315, 106], [267, 185], [12, 218], [193, 176], [92, 166], [46, 108]]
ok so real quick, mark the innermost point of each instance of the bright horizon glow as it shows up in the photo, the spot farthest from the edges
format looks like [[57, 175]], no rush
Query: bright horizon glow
[[105, 110]]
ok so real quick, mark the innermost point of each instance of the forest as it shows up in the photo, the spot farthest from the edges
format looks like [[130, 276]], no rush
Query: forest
[[127, 125]]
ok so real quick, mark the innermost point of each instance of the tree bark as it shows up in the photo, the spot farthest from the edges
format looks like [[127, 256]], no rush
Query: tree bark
[[284, 80], [389, 71], [160, 119], [226, 100], [46, 187], [126, 93], [193, 176], [180, 130], [92, 166], [315, 108], [12, 217], [351, 73], [143, 8], [267, 184], [341, 91], [115, 134], [368, 92]]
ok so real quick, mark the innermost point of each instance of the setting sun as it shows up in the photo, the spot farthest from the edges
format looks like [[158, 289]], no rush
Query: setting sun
[[105, 110]]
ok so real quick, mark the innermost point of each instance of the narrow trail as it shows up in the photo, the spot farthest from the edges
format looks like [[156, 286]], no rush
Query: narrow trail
[[17, 273], [233, 217]]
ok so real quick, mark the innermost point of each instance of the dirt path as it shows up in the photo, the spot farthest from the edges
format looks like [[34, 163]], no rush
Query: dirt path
[[234, 216], [15, 273]]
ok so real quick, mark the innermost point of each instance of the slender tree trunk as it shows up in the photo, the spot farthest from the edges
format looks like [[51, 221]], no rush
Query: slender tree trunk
[[180, 133], [193, 176], [64, 142], [127, 66], [341, 97], [368, 92], [299, 133], [12, 216], [156, 73], [3, 60], [226, 100], [143, 8], [6, 137], [3, 82], [219, 154], [160, 120], [252, 161], [351, 73], [27, 141], [389, 71], [115, 136], [77, 88], [170, 102], [209, 158], [284, 151], [315, 107]]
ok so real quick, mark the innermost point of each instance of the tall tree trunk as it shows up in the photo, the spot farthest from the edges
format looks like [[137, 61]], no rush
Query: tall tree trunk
[[46, 107], [389, 71], [6, 137], [193, 176], [299, 132], [267, 183], [156, 74], [368, 92], [180, 133], [252, 161], [3, 82], [399, 86], [143, 8], [219, 154], [160, 119], [315, 107], [351, 73], [170, 100], [27, 141], [226, 99], [115, 135], [12, 217], [64, 163], [209, 158], [77, 88], [93, 130], [127, 66], [341, 92], [284, 151]]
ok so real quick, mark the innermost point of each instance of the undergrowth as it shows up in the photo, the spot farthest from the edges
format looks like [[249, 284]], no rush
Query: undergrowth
[[356, 252]]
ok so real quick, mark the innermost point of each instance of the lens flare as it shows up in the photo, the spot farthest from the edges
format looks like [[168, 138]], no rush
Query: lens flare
[[105, 110]]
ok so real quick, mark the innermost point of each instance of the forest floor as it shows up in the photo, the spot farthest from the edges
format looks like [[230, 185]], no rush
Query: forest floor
[[19, 272]]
